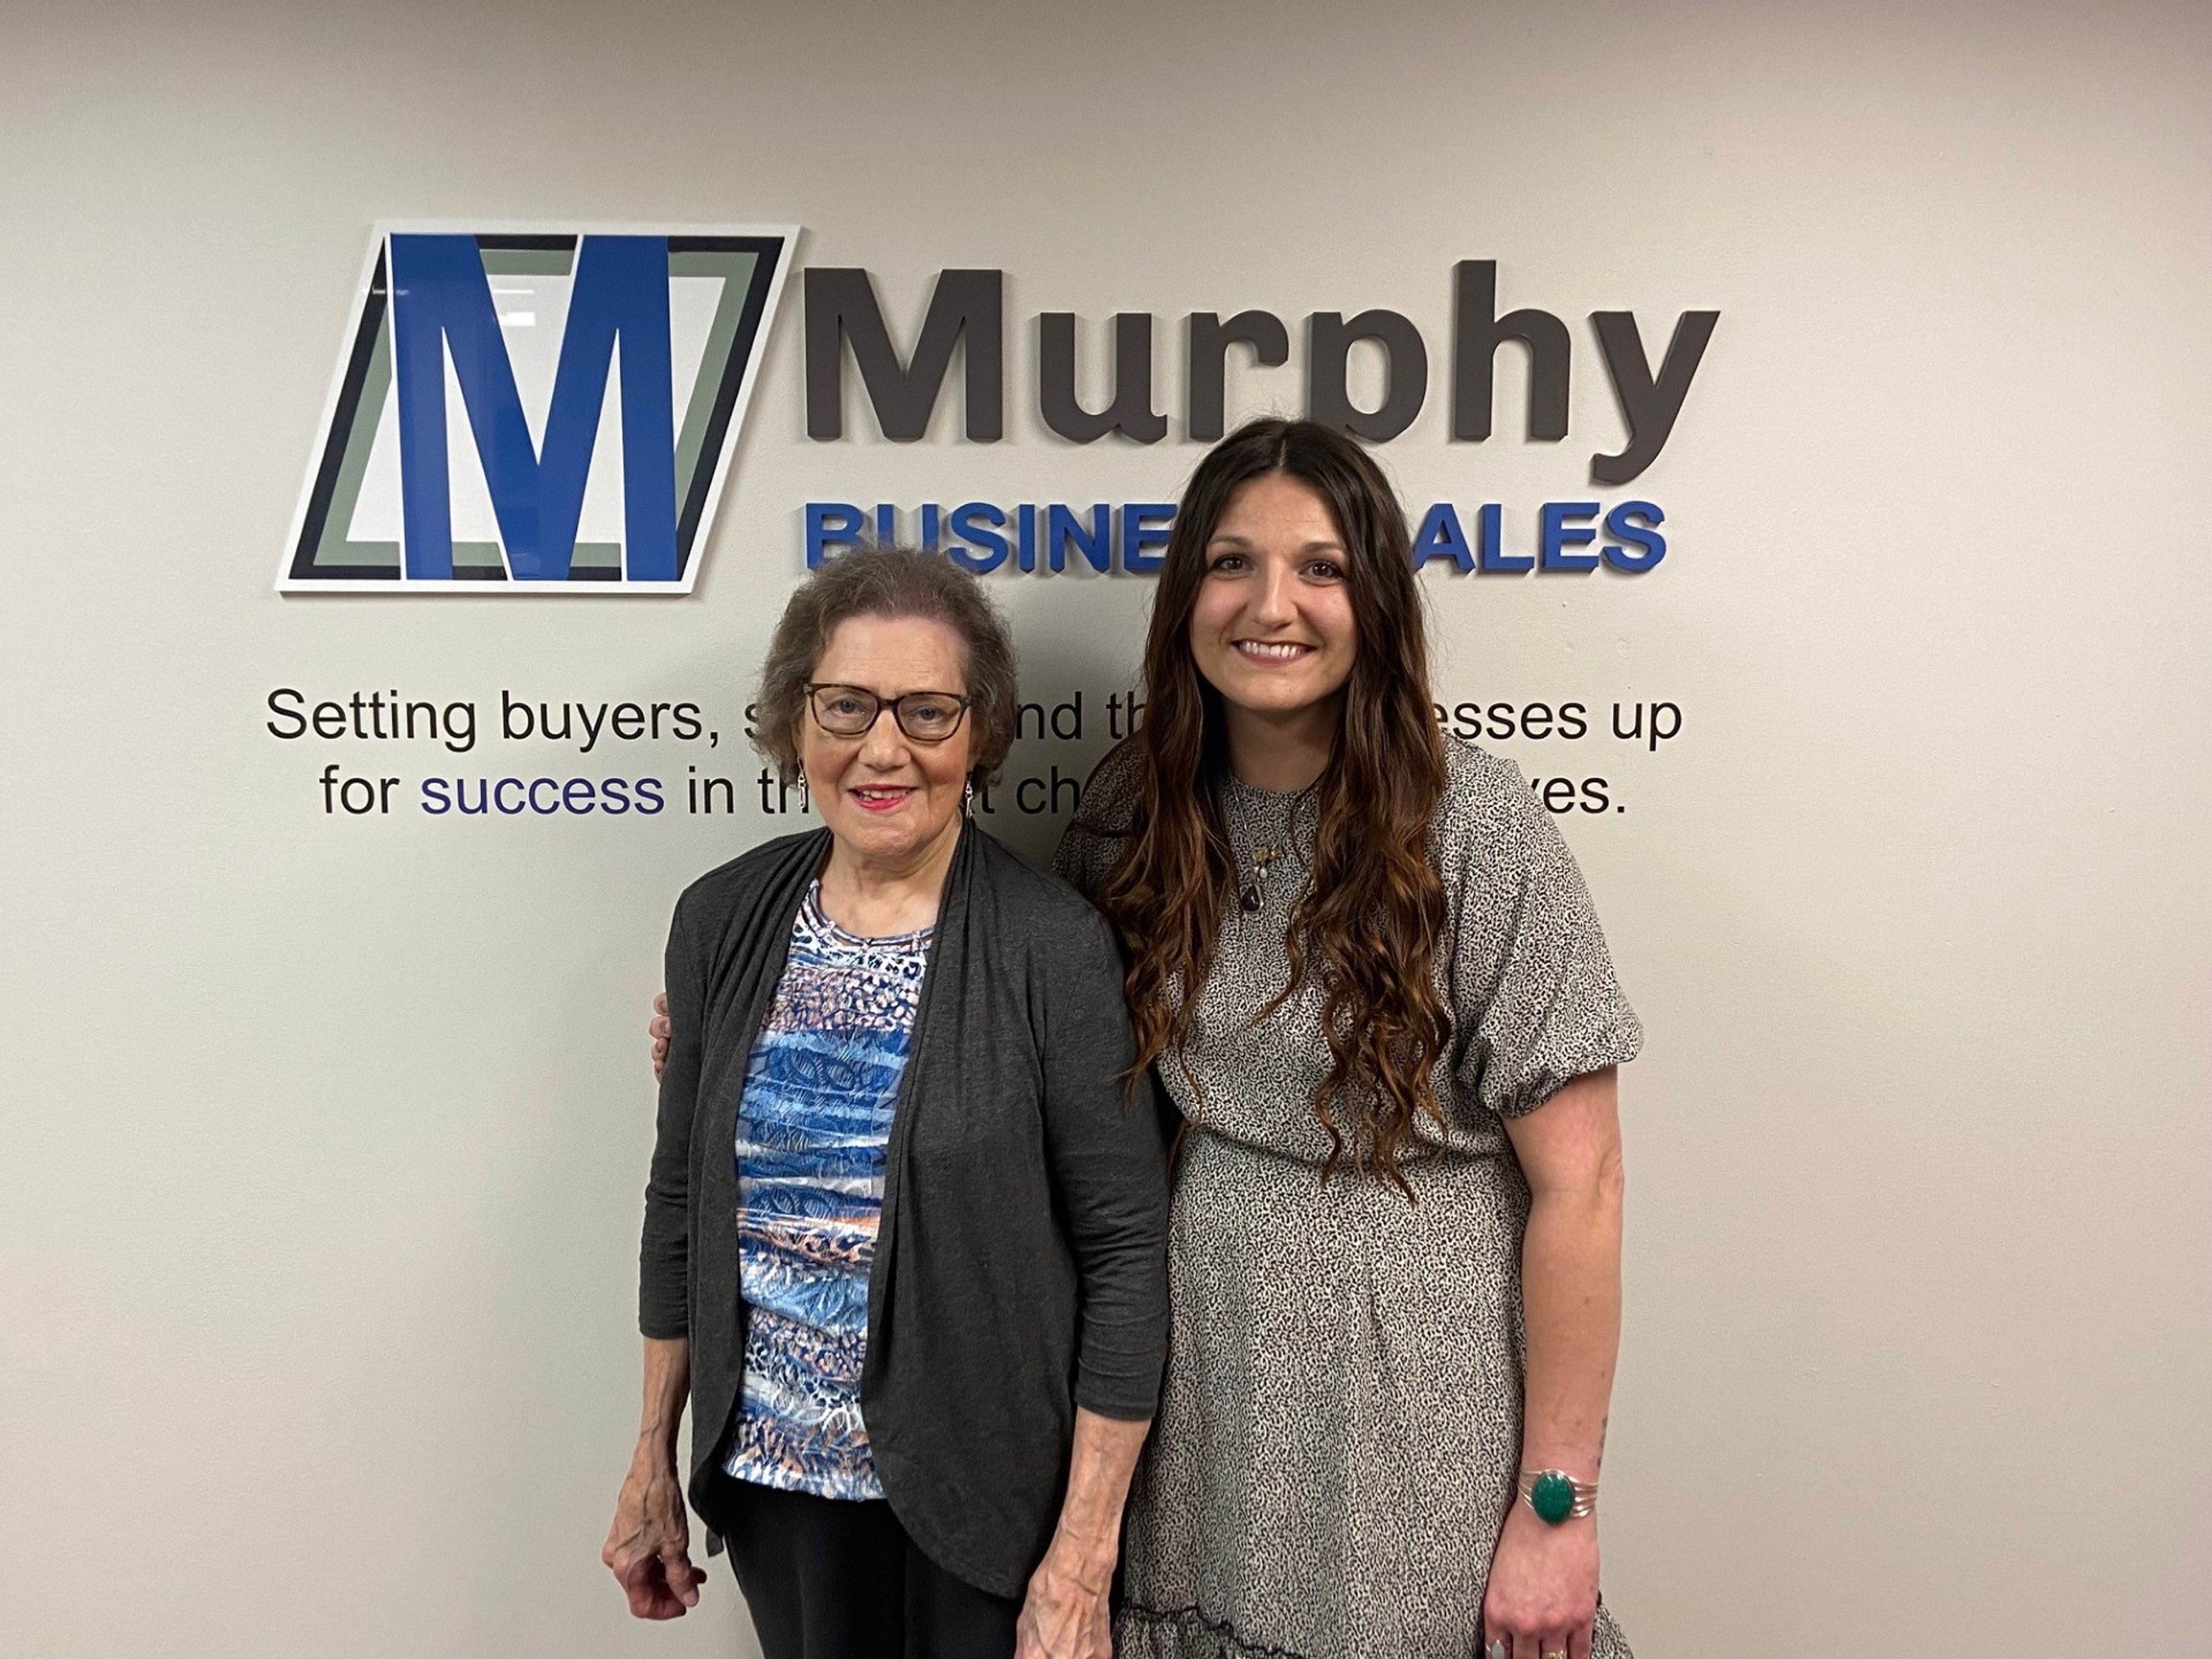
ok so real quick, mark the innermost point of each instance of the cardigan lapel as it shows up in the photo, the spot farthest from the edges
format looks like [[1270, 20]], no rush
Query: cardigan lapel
[[932, 1066]]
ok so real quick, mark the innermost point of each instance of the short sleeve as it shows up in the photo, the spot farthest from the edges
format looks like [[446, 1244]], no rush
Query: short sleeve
[[1091, 844], [1084, 859], [1535, 1000]]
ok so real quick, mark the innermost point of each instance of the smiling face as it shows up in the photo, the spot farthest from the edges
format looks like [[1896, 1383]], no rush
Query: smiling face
[[1272, 628], [890, 801]]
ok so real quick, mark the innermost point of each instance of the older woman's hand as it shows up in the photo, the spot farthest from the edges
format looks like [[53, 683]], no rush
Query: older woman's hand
[[1065, 1615], [658, 1028], [648, 1548], [1543, 1587]]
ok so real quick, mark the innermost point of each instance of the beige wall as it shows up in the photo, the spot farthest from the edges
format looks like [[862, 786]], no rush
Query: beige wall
[[323, 1140]]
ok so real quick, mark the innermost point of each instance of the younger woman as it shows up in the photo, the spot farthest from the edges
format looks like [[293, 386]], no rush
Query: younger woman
[[1370, 978]]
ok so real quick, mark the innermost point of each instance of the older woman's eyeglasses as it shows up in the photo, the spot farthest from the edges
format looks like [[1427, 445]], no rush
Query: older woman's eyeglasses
[[846, 711]]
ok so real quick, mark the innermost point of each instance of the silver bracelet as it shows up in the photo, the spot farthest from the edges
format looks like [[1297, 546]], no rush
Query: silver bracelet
[[1556, 1496]]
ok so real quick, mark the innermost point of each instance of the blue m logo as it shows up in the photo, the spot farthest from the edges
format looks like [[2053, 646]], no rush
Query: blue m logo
[[536, 411]]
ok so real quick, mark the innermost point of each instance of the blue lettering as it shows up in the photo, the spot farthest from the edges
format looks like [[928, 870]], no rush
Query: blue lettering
[[980, 523], [831, 524], [1443, 537], [1562, 524], [1635, 523], [1490, 556], [1094, 542], [1146, 525], [442, 298]]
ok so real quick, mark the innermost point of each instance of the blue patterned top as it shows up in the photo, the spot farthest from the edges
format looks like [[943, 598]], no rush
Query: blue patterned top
[[820, 1092]]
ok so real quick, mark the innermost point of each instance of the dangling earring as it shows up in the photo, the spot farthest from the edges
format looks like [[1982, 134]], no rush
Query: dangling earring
[[968, 798]]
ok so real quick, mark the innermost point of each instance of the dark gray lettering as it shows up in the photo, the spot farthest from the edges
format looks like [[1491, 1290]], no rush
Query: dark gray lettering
[[1206, 402], [1130, 411], [966, 308], [1648, 406], [1329, 349], [1477, 332]]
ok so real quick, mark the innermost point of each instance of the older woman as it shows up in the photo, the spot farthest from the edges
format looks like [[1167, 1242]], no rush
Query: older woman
[[904, 1233]]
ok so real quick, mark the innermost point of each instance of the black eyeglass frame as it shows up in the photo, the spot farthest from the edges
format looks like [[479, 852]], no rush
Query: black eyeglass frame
[[896, 705]]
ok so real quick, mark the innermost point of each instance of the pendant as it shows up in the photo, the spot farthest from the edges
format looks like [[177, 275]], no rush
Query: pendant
[[1253, 893]]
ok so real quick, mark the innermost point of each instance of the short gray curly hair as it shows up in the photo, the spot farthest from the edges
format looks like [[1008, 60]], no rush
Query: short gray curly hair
[[889, 581]]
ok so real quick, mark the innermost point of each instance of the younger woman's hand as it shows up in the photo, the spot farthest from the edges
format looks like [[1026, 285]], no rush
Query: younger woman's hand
[[1542, 1597], [659, 1029]]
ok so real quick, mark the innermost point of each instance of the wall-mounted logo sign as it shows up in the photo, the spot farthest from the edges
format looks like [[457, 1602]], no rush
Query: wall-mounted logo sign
[[536, 410]]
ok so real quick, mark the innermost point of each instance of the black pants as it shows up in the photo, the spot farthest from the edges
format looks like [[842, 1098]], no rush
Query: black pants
[[828, 1579]]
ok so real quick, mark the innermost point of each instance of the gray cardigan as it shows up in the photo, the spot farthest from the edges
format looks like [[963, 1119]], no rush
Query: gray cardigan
[[1021, 1264]]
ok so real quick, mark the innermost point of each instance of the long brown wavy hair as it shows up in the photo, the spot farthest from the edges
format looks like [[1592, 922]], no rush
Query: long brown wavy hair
[[1369, 925]]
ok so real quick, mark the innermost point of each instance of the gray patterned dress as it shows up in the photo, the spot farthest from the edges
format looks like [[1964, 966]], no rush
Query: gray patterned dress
[[1340, 1433]]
